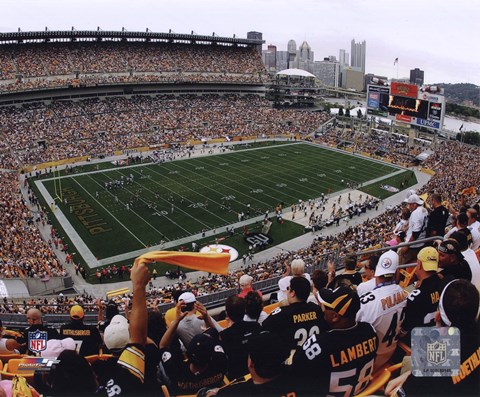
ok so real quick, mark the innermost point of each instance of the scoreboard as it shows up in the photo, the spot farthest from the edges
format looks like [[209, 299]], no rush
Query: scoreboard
[[407, 103]]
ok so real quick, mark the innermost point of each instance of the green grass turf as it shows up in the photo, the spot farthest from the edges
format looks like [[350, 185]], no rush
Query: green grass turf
[[400, 181], [206, 192]]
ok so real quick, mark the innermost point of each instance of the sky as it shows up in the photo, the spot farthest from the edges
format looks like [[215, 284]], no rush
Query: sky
[[440, 37]]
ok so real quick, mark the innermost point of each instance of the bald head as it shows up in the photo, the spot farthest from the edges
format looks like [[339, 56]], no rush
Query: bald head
[[34, 316]]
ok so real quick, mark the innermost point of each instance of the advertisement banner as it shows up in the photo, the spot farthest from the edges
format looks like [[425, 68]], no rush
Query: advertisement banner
[[402, 117], [428, 123]]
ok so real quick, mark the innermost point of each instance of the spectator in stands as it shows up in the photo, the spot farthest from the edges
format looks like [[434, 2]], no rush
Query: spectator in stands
[[235, 337], [295, 322], [191, 325], [458, 307], [171, 313], [319, 281], [474, 226], [254, 308], [417, 226], [110, 311], [205, 367], [451, 261], [87, 337], [297, 269], [350, 273], [34, 318], [369, 275], [469, 256], [438, 218], [72, 376], [269, 376], [422, 302], [7, 345], [246, 286], [319, 362], [384, 317]]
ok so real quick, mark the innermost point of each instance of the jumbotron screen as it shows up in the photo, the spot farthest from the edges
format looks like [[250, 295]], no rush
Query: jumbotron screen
[[409, 104]]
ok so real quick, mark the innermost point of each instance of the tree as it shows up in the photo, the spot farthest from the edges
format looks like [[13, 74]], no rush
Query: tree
[[340, 111]]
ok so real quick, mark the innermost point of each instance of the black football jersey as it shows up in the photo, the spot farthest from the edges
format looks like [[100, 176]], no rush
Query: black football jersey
[[422, 304], [338, 362], [296, 322]]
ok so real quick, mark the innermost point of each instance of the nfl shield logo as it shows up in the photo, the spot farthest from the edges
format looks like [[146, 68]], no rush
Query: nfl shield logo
[[436, 353], [37, 341]]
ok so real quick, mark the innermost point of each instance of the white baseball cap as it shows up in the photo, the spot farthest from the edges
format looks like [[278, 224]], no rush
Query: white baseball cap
[[414, 199], [387, 264], [187, 297], [117, 334]]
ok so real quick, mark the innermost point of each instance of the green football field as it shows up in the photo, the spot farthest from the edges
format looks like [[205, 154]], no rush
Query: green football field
[[174, 201]]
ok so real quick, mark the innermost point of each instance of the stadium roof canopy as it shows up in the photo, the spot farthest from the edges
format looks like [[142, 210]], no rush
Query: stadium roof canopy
[[124, 35], [295, 72]]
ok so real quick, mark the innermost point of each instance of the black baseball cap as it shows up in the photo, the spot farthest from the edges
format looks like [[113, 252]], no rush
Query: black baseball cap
[[449, 246], [343, 300], [200, 349]]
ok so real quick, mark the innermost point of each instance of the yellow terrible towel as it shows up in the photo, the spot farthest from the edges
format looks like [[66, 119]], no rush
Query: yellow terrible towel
[[212, 263]]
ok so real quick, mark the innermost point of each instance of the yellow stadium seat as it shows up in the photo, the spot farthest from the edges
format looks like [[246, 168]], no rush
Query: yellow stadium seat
[[270, 308], [5, 358], [11, 369]]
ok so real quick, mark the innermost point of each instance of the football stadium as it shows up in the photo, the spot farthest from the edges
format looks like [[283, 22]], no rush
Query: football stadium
[[174, 223]]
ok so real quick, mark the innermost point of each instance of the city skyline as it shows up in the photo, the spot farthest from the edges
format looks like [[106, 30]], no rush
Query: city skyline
[[433, 36]]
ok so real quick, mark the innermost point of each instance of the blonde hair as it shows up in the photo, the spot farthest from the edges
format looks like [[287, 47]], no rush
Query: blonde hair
[[298, 267]]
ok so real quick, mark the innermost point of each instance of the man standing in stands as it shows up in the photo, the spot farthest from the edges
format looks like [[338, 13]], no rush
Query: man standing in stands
[[86, 337], [383, 307], [422, 302], [34, 318], [417, 225], [437, 219], [299, 320], [451, 261], [235, 337], [324, 364]]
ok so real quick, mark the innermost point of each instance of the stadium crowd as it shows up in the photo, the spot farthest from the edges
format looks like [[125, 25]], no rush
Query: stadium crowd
[[94, 127], [23, 252], [57, 65]]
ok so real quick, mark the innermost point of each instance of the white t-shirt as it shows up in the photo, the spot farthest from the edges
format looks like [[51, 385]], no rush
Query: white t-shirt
[[416, 223], [472, 260], [382, 308], [450, 232], [366, 286], [283, 283], [475, 236]]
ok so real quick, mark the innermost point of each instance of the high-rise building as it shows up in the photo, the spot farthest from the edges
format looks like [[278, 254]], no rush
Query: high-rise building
[[352, 79], [292, 53], [416, 76], [358, 53], [270, 58], [343, 58], [327, 71]]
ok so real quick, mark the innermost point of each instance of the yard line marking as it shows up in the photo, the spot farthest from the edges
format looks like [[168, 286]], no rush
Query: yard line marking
[[113, 216], [176, 207], [172, 191], [131, 209]]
